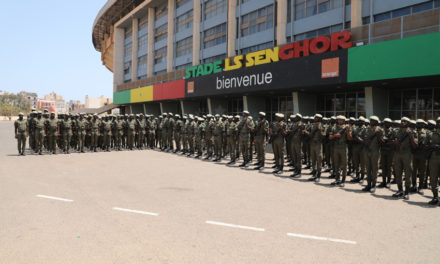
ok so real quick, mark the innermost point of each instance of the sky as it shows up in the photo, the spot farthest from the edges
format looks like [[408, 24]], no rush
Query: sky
[[46, 46]]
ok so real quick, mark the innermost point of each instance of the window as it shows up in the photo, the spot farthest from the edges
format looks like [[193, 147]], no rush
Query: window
[[300, 9], [401, 12], [235, 106], [161, 33], [161, 10], [436, 3], [382, 17], [423, 103], [422, 7], [214, 36], [180, 3], [278, 104], [214, 8], [184, 66], [142, 67], [366, 20], [127, 52], [306, 8], [350, 104], [289, 11], [160, 72], [184, 21], [214, 58], [160, 55], [184, 47], [142, 44], [318, 32], [257, 21], [127, 71], [257, 47]]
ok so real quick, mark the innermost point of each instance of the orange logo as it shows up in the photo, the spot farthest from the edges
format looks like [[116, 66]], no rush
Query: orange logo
[[330, 68], [190, 87]]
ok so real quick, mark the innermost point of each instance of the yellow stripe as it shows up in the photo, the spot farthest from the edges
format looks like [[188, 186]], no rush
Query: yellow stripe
[[143, 94]]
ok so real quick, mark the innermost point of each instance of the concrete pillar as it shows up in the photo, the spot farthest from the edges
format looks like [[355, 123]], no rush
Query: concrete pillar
[[150, 41], [134, 48], [281, 21], [232, 27], [209, 105], [170, 48], [196, 33], [118, 58], [356, 13], [161, 108], [295, 103], [376, 102], [306, 103], [245, 103]]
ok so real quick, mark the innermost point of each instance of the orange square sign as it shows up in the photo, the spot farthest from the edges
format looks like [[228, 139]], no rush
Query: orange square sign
[[190, 87], [330, 68]]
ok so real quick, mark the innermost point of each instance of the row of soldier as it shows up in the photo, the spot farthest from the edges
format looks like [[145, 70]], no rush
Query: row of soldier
[[343, 147]]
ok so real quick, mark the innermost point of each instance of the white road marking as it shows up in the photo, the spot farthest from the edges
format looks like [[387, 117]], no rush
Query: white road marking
[[235, 226], [134, 211], [53, 198], [323, 238]]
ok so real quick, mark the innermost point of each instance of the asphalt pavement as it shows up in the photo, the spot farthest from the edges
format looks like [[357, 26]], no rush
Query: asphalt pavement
[[154, 207]]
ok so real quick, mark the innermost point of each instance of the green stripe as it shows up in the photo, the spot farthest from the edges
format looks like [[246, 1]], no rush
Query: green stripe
[[123, 97], [402, 58]]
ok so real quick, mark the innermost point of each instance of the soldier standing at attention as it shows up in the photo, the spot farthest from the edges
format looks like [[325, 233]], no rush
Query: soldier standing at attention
[[386, 153], [432, 143], [341, 134], [199, 136], [30, 124], [231, 131], [190, 133], [53, 132], [39, 133], [405, 140], [261, 133], [170, 132], [208, 132], [371, 138], [142, 131], [419, 158], [277, 133], [178, 127], [297, 138], [245, 127], [218, 134], [131, 131], [316, 136], [81, 131], [107, 133], [66, 126], [94, 132], [357, 149], [21, 131]]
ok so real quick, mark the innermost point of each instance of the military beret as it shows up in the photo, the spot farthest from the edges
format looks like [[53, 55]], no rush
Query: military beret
[[432, 122], [318, 116], [279, 115], [375, 118], [237, 116], [421, 121], [388, 120], [298, 115], [177, 115], [245, 112], [341, 117], [352, 119], [405, 119], [325, 118], [20, 114], [292, 116], [262, 113], [412, 122], [217, 115]]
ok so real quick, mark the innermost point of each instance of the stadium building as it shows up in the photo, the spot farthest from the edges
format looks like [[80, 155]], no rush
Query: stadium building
[[358, 57]]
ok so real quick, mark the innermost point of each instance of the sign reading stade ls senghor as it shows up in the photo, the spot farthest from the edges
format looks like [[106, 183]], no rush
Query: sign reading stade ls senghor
[[288, 66]]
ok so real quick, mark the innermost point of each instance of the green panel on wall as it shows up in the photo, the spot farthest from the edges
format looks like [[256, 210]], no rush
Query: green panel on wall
[[408, 57], [122, 97]]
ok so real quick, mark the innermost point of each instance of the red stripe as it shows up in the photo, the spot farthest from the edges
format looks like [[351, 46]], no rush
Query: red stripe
[[169, 90]]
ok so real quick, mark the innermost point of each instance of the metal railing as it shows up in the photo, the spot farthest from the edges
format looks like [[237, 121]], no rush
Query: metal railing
[[398, 28]]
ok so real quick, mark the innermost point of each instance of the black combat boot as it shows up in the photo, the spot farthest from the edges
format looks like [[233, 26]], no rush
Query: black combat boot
[[398, 194], [313, 172], [434, 200], [406, 195], [318, 176], [243, 164]]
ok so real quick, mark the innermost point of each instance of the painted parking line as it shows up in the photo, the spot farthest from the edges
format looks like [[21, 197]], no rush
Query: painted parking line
[[134, 211], [235, 226], [323, 238], [53, 198]]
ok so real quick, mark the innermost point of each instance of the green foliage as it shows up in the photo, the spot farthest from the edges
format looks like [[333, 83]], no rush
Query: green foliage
[[12, 104]]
